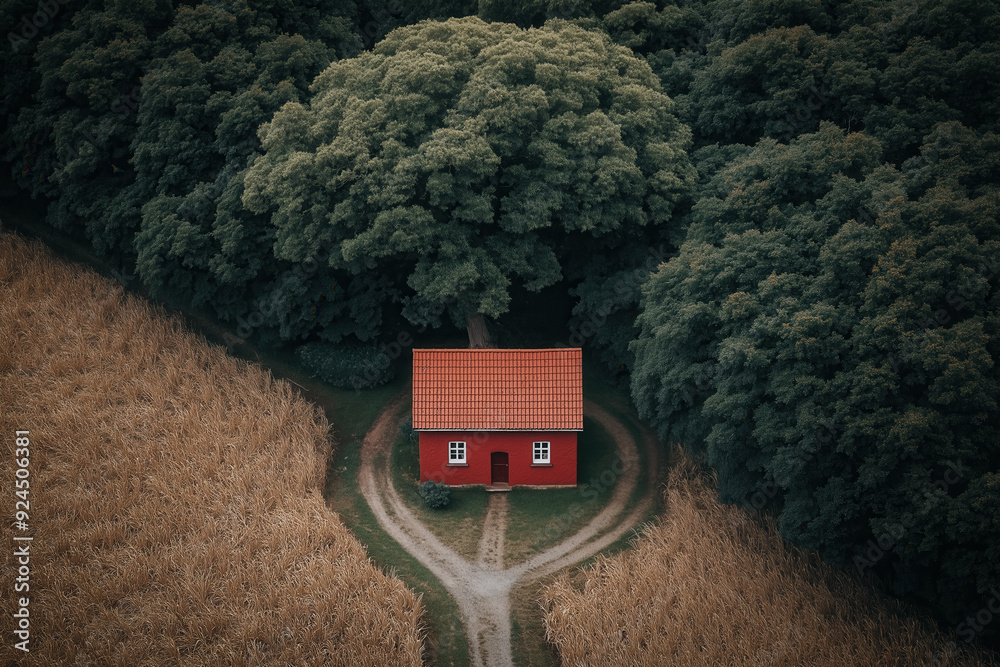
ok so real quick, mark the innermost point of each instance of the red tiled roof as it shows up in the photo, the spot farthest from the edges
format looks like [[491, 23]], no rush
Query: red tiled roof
[[493, 389]]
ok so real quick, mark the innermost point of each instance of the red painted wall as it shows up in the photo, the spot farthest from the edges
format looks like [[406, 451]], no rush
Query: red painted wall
[[480, 444]]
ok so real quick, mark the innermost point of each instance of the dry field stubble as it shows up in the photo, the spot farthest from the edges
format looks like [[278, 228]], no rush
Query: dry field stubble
[[175, 494], [709, 586]]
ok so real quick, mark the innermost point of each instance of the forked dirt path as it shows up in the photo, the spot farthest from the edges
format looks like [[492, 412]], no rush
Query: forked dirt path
[[482, 589]]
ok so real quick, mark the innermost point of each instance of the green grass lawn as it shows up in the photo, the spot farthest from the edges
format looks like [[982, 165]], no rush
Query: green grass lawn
[[537, 518]]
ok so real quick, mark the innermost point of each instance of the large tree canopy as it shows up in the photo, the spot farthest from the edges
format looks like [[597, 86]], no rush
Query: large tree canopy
[[461, 157], [824, 324], [828, 337]]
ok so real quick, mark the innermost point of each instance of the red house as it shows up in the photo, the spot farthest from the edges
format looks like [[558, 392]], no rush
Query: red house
[[498, 417]]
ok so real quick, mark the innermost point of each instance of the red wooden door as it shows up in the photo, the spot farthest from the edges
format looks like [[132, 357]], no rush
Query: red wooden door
[[499, 468]]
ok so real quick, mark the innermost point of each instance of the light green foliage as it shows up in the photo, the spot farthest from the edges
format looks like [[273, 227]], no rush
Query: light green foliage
[[462, 157]]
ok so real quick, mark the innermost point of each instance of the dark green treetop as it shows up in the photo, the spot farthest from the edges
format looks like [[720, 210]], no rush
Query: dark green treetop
[[460, 157], [828, 337]]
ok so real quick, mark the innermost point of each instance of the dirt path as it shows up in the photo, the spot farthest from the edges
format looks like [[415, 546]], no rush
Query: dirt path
[[490, 554], [482, 589]]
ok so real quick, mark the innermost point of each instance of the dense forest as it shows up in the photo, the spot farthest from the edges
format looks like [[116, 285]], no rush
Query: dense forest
[[776, 221]]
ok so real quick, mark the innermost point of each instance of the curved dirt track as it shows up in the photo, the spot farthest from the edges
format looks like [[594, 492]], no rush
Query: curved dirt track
[[482, 589]]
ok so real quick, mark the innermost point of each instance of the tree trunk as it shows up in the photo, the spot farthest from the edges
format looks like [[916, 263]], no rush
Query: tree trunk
[[479, 335]]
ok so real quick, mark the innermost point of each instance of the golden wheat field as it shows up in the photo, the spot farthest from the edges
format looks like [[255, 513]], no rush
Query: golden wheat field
[[174, 494], [708, 586]]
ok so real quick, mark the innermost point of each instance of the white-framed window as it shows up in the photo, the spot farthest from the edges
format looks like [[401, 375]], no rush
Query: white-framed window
[[456, 452], [540, 452]]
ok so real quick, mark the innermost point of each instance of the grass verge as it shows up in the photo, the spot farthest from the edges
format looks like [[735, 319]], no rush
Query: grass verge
[[445, 642]]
